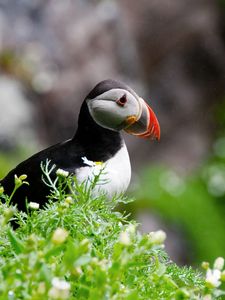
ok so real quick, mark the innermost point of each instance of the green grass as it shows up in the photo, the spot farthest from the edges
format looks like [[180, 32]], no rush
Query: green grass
[[80, 247]]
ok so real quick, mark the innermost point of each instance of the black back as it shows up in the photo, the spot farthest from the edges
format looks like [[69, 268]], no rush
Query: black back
[[91, 141]]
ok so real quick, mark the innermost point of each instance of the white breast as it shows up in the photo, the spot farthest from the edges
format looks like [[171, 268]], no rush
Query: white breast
[[115, 176]]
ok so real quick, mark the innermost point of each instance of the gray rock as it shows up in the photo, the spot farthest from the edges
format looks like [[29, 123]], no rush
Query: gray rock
[[16, 115]]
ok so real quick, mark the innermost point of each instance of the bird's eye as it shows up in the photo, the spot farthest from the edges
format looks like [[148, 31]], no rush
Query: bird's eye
[[121, 101]]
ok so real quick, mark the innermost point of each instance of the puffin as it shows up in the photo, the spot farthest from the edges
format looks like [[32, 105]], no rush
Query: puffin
[[110, 107]]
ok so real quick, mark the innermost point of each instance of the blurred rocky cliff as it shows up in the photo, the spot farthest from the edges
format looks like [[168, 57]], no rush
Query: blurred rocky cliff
[[171, 52]]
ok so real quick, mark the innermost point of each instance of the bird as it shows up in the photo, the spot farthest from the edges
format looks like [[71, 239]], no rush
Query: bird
[[110, 107]]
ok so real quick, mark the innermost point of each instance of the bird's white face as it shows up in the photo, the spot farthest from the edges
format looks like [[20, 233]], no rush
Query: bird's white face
[[118, 109], [113, 109]]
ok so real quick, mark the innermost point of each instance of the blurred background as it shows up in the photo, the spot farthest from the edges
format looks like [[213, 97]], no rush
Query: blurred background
[[172, 52]]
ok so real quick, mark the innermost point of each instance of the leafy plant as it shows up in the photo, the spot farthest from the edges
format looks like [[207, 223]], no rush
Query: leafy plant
[[80, 247]]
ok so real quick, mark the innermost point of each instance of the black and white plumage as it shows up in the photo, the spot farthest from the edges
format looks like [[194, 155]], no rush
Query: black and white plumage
[[110, 107]]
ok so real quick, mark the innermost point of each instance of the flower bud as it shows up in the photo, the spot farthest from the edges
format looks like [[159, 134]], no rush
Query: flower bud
[[86, 245], [62, 173], [205, 265], [1, 190], [124, 238], [69, 200], [219, 263], [59, 236], [17, 181], [157, 237], [33, 205], [23, 177], [77, 271], [60, 289], [8, 213]]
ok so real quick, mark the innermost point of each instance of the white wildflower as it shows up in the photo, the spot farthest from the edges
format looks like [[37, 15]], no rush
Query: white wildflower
[[62, 173], [59, 236], [34, 205], [131, 228], [11, 295], [219, 263], [96, 166], [213, 278], [157, 237], [60, 289], [124, 238], [69, 200], [103, 264], [88, 162]]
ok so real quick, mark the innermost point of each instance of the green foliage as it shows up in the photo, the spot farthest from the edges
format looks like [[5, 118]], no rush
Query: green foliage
[[79, 247], [195, 203], [9, 159], [188, 204]]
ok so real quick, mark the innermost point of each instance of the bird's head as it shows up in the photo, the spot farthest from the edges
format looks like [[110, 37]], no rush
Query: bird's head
[[115, 106]]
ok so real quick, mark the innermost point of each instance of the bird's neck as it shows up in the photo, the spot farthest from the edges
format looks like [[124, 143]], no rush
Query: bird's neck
[[99, 143]]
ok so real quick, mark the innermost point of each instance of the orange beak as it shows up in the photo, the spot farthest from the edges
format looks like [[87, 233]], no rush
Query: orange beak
[[146, 126]]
